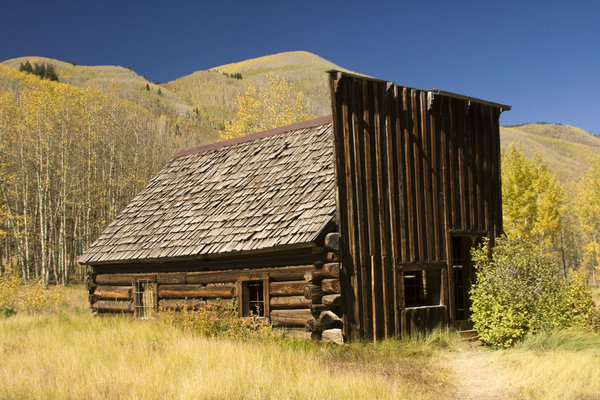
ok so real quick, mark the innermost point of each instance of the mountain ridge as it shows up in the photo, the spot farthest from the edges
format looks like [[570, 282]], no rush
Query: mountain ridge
[[208, 97]]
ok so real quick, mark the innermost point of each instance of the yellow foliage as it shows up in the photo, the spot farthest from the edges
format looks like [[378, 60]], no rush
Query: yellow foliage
[[531, 200], [70, 159], [28, 297], [268, 107], [587, 210]]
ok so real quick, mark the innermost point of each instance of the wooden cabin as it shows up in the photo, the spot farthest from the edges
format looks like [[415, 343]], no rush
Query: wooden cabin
[[358, 223]]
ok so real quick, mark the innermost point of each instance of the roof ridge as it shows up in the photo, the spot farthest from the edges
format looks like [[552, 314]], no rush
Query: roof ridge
[[258, 135]]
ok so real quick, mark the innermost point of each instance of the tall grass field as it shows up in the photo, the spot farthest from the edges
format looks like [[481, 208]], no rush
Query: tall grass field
[[64, 352]]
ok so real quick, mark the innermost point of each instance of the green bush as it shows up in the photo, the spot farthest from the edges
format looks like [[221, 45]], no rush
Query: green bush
[[6, 311], [581, 301], [519, 291]]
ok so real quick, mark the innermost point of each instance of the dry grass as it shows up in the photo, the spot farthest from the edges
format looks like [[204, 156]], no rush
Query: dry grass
[[81, 356], [71, 354]]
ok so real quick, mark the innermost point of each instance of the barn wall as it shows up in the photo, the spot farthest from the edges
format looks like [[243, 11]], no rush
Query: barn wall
[[412, 169]]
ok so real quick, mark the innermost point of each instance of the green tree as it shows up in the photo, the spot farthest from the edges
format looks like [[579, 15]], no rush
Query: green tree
[[39, 70], [531, 201], [26, 67], [147, 86], [519, 291], [270, 106], [50, 73]]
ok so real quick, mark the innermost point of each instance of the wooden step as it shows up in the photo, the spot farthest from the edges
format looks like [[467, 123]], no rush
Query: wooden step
[[469, 335]]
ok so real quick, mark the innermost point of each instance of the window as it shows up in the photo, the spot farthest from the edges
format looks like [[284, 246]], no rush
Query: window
[[144, 299], [422, 287], [253, 298]]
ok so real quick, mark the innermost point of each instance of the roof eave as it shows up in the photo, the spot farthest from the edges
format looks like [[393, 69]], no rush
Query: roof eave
[[288, 248]]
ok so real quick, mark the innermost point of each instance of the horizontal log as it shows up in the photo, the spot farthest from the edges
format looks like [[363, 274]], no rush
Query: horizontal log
[[122, 279], [328, 271], [289, 273], [293, 317], [289, 302], [317, 309], [113, 306], [331, 286], [112, 292], [327, 320], [289, 288], [332, 256], [332, 299], [196, 291], [191, 304], [175, 278], [332, 241], [312, 292], [333, 269]]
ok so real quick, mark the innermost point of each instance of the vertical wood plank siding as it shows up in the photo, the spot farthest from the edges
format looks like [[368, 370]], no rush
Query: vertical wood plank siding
[[412, 166]]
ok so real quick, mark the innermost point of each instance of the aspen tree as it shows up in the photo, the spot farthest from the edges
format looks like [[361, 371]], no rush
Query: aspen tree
[[276, 104], [531, 201]]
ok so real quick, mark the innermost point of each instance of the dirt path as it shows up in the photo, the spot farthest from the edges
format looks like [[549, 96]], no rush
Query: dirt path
[[479, 376]]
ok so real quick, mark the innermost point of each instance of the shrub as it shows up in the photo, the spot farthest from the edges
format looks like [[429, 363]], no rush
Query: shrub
[[28, 297], [217, 320], [581, 301], [518, 291], [6, 311]]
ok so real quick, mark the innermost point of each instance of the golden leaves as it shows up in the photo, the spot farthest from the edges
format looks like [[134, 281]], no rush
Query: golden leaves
[[261, 108]]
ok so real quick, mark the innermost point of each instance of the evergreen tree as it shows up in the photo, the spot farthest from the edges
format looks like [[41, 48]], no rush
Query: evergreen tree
[[147, 87], [159, 92], [39, 70], [26, 67], [50, 73]]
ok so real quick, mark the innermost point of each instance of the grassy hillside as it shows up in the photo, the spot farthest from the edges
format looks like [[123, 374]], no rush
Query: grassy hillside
[[569, 151], [114, 80], [214, 93]]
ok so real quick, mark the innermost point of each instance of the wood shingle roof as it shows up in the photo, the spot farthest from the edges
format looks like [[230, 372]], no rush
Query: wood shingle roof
[[268, 189]]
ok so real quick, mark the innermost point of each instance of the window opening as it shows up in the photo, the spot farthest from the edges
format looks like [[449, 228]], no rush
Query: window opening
[[254, 303], [144, 300], [422, 288]]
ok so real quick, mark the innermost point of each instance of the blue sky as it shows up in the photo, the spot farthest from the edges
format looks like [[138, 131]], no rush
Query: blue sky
[[541, 57]]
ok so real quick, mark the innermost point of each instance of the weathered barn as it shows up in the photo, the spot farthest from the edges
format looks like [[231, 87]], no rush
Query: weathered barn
[[407, 180]]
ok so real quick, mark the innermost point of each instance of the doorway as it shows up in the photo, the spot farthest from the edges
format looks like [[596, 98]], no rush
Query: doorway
[[462, 277]]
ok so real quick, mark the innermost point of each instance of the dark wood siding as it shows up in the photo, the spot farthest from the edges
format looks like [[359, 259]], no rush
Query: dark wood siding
[[412, 168]]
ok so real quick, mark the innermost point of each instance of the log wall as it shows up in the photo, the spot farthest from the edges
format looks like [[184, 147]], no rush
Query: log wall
[[287, 305], [413, 168]]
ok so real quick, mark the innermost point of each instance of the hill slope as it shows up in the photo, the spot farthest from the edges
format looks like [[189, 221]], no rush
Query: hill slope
[[113, 80], [569, 151], [214, 92]]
